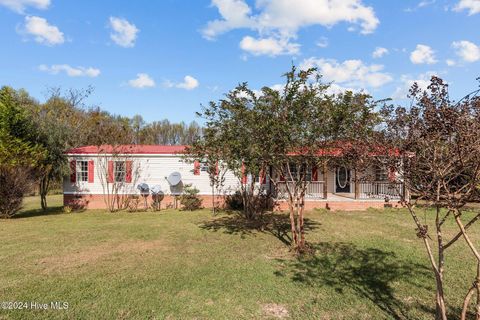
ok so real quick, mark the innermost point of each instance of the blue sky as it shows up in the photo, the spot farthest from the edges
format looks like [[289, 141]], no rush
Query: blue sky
[[162, 59]]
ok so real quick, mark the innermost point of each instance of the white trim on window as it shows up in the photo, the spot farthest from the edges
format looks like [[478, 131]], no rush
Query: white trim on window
[[82, 170]]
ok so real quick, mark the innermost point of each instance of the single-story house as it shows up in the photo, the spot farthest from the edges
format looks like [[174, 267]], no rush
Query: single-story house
[[98, 174]]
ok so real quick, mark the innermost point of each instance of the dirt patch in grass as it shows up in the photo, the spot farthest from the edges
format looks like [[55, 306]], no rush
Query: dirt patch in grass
[[274, 310], [94, 254]]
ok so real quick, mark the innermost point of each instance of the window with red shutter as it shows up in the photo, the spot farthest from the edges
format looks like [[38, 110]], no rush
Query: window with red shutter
[[128, 175], [73, 171], [314, 173], [91, 171], [196, 167], [110, 172], [244, 176]]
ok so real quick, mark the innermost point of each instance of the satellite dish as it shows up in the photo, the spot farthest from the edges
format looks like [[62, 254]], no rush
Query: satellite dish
[[156, 189], [143, 187], [157, 196], [174, 178]]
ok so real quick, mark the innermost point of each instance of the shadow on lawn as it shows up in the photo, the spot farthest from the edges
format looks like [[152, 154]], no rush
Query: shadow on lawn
[[39, 212], [370, 272], [276, 224]]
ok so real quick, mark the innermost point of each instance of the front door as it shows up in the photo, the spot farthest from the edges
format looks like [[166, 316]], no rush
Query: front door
[[342, 180]]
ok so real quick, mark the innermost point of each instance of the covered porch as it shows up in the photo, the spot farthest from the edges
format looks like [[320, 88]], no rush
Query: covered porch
[[359, 190]]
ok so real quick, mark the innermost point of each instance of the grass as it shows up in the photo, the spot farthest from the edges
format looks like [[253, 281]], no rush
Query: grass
[[189, 265]]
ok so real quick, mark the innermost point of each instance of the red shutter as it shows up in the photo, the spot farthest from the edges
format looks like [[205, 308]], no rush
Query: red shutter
[[244, 176], [314, 173], [196, 167], [391, 174], [263, 177], [91, 172], [110, 172], [282, 176], [73, 171], [128, 167]]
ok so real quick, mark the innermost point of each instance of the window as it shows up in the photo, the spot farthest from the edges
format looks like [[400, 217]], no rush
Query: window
[[380, 174], [82, 171], [120, 171], [292, 175], [204, 166], [308, 174], [295, 172]]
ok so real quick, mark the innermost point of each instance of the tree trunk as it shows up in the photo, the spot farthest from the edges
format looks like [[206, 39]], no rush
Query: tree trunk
[[478, 295], [293, 224], [468, 297], [325, 180], [213, 201], [302, 224], [440, 297], [440, 310], [43, 190]]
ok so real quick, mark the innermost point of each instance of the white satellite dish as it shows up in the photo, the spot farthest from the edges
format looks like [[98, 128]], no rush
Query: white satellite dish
[[174, 178], [143, 187], [156, 189]]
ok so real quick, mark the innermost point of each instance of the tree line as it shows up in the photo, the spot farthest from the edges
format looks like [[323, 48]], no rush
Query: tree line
[[34, 137]]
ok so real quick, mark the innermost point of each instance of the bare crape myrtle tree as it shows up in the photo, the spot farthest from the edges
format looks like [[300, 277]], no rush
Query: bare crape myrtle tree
[[439, 144], [118, 173]]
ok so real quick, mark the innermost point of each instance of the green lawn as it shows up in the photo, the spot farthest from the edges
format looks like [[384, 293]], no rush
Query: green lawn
[[184, 265]]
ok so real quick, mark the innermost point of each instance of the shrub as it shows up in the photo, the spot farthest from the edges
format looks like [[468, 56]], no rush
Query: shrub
[[259, 203], [15, 182], [234, 201], [132, 203], [189, 199]]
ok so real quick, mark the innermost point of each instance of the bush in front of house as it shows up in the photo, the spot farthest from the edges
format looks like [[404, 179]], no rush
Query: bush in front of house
[[15, 182], [189, 199], [234, 201]]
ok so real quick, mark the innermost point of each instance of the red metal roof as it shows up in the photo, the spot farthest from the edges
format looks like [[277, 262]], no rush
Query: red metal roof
[[128, 149]]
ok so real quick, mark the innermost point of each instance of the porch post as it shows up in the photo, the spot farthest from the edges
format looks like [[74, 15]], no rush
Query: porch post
[[325, 180], [357, 189]]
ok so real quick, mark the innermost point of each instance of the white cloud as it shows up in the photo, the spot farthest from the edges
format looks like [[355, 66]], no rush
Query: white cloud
[[19, 6], [450, 62], [351, 73], [421, 4], [423, 81], [379, 52], [425, 3], [423, 54], [70, 71], [473, 6], [268, 46], [42, 31], [281, 19], [124, 33], [235, 14], [337, 89], [142, 80], [467, 51], [332, 89], [189, 83], [323, 42]]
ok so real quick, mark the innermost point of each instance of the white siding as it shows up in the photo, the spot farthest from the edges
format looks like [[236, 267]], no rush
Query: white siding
[[149, 169]]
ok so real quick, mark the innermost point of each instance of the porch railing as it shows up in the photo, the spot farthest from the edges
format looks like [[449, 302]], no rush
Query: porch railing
[[380, 190], [315, 190]]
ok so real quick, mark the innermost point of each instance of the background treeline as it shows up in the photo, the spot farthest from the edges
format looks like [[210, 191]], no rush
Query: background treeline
[[66, 112], [35, 135]]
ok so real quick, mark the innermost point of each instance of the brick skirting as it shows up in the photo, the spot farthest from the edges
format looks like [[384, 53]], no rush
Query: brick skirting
[[97, 201]]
